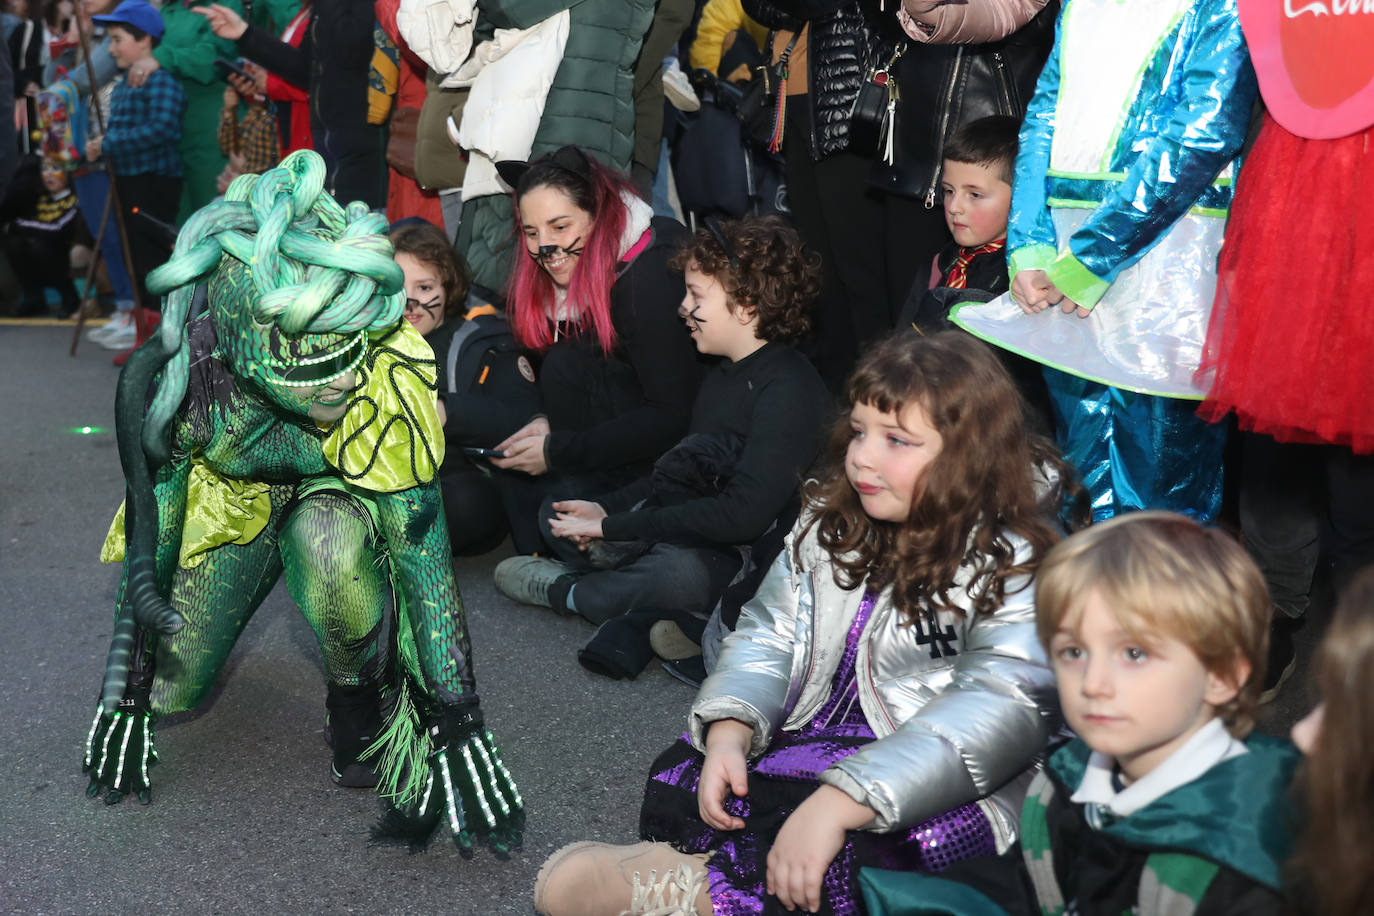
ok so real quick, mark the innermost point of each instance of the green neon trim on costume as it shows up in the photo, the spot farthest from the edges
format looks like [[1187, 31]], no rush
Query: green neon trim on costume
[[359, 342], [1031, 257], [477, 785], [1090, 176], [429, 787], [1079, 192], [457, 823], [1064, 203], [501, 765], [1000, 344], [90, 738], [491, 771], [1074, 280], [123, 752], [147, 748], [105, 748]]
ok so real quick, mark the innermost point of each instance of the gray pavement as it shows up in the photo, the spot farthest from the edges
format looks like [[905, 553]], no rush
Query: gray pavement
[[244, 818]]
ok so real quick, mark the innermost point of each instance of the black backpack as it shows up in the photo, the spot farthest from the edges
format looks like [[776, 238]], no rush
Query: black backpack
[[486, 380]]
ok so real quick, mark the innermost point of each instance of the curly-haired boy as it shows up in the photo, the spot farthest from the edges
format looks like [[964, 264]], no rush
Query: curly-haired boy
[[671, 539]]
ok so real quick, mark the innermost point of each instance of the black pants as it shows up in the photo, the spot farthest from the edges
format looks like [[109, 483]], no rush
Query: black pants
[[577, 391], [872, 245], [42, 259], [149, 243], [473, 508], [687, 579], [1297, 499]]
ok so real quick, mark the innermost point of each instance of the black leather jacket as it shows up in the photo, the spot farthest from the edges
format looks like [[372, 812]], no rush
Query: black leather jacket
[[944, 87]]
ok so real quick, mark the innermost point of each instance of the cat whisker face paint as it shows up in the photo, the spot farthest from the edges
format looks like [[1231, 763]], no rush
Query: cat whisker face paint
[[546, 253]]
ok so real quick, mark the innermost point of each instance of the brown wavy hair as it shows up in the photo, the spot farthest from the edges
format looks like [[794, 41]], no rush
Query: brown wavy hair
[[985, 483], [778, 276], [1336, 782], [427, 243]]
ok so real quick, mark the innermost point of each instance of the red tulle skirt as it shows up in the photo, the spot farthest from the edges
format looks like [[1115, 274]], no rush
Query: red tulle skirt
[[1292, 334]]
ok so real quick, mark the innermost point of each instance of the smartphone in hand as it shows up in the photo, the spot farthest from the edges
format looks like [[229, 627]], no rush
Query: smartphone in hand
[[225, 67], [474, 452]]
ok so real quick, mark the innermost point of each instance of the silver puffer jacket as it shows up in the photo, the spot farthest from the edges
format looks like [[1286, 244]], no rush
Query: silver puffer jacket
[[951, 726]]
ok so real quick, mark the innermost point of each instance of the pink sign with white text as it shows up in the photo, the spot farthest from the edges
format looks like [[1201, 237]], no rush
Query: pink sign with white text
[[1315, 61]]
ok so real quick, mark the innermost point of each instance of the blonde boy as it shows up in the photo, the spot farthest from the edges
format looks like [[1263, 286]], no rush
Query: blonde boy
[[1164, 804], [1157, 629]]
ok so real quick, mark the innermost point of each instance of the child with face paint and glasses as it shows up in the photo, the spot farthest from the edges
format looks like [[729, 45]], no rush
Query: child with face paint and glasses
[[485, 381], [666, 546]]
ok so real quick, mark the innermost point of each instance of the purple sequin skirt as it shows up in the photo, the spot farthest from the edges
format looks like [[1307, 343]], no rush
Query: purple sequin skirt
[[779, 781]]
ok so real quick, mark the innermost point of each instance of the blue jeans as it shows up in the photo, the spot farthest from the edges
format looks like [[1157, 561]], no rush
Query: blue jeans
[[92, 189]]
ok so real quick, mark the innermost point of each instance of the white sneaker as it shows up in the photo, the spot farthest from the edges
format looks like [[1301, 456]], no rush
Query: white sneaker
[[122, 337], [117, 323], [678, 89]]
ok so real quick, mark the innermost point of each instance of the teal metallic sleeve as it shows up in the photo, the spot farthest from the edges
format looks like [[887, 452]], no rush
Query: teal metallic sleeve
[[1031, 241], [1189, 131]]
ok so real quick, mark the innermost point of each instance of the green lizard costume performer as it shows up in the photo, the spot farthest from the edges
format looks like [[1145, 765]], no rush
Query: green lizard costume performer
[[290, 428]]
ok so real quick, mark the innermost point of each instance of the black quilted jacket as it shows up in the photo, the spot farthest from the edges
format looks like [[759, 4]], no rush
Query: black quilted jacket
[[843, 32]]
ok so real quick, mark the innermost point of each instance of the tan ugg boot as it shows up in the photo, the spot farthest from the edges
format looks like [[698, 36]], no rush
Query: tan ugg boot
[[645, 879]]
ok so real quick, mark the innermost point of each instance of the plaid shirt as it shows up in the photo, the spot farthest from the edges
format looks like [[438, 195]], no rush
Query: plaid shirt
[[145, 126], [254, 136]]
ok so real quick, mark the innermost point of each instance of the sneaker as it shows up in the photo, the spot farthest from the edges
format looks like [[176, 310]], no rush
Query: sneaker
[[354, 720], [121, 336], [677, 89], [643, 879], [118, 322], [670, 643], [528, 580], [1283, 657]]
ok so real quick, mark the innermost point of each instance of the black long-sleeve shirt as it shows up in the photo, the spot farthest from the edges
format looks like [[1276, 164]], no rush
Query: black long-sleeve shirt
[[653, 370], [776, 401]]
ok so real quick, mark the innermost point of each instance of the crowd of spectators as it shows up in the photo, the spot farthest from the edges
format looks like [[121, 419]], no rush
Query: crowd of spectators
[[633, 392]]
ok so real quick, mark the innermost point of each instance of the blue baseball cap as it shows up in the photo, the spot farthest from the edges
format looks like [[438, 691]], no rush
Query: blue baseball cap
[[140, 14]]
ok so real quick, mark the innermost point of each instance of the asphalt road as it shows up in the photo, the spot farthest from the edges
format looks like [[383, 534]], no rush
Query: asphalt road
[[244, 818]]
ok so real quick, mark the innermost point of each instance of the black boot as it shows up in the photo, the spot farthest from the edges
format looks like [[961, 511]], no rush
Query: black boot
[[355, 720]]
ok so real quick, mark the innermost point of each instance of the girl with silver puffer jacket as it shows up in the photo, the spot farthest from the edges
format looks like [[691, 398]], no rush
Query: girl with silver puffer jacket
[[884, 698]]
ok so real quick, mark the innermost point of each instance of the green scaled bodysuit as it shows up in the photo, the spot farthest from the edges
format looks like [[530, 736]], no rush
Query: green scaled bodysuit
[[289, 428]]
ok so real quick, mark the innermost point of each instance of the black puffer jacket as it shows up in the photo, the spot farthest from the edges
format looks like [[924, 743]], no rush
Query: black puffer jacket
[[944, 87], [841, 39]]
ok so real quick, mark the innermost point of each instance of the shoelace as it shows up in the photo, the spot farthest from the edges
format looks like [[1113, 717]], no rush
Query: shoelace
[[682, 882]]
